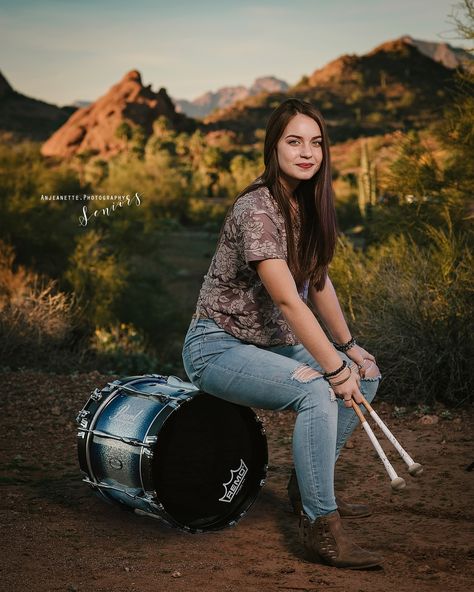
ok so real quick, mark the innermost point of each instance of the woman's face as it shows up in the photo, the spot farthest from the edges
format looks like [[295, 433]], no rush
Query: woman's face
[[300, 144]]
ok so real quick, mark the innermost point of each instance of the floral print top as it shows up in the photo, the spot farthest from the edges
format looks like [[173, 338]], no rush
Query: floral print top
[[232, 293]]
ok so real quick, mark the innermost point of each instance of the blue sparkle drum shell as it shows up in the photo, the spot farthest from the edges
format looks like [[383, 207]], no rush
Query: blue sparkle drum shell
[[159, 446]]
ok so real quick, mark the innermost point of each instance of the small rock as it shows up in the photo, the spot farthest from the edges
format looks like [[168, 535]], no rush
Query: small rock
[[428, 419], [176, 574], [349, 444]]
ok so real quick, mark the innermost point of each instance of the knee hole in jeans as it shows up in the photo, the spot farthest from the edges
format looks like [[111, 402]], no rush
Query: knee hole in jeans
[[372, 372], [304, 373]]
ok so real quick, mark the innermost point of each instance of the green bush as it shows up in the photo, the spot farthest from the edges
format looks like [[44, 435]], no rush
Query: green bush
[[411, 306]]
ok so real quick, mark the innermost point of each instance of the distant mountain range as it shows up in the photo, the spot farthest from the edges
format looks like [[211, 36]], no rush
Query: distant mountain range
[[400, 84], [223, 97], [394, 86], [228, 95], [445, 54]]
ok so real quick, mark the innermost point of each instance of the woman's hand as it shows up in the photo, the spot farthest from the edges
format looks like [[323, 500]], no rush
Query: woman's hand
[[361, 357], [350, 389]]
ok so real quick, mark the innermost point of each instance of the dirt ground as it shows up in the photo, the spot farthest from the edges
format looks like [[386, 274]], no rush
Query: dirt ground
[[58, 535]]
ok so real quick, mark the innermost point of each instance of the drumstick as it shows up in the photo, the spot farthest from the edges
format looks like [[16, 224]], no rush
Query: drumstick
[[414, 468], [396, 481]]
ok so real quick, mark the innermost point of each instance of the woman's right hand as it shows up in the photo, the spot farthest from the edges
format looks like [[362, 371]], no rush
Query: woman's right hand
[[350, 389]]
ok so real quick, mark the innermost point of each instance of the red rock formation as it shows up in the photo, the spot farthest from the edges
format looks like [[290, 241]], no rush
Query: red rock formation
[[93, 128]]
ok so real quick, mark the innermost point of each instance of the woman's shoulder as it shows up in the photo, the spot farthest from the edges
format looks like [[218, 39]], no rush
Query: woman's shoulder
[[259, 199]]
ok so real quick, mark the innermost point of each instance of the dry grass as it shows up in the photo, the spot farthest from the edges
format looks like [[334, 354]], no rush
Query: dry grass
[[36, 319]]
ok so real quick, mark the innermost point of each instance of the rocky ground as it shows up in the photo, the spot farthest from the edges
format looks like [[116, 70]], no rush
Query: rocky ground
[[58, 536]]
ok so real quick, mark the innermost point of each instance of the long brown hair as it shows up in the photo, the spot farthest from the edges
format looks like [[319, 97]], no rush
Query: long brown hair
[[318, 224]]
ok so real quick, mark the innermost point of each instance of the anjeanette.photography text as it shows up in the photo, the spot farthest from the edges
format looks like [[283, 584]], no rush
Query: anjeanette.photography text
[[84, 197]]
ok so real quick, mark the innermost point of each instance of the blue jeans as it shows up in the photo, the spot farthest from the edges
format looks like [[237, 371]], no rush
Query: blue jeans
[[264, 377]]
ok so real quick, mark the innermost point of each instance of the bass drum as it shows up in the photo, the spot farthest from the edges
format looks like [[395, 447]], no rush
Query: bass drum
[[163, 448]]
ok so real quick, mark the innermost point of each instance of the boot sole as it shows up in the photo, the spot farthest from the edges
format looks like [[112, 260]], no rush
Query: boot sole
[[316, 558]]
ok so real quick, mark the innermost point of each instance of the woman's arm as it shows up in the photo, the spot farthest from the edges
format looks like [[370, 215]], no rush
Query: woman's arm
[[327, 306], [280, 284]]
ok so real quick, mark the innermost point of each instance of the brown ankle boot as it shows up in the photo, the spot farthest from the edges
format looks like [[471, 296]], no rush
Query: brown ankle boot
[[325, 539], [346, 510]]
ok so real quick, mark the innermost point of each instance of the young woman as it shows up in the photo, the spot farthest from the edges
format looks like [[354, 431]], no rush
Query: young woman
[[254, 341]]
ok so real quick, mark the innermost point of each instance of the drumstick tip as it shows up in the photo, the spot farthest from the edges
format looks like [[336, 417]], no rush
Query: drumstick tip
[[398, 483], [415, 469]]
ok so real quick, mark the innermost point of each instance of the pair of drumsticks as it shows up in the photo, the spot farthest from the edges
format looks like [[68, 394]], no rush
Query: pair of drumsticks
[[414, 468]]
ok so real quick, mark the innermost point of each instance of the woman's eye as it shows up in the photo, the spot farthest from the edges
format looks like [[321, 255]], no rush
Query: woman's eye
[[315, 143]]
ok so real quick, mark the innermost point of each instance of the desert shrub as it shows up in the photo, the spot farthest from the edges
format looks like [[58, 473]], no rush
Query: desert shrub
[[40, 231], [39, 325], [98, 276], [411, 306], [122, 349]]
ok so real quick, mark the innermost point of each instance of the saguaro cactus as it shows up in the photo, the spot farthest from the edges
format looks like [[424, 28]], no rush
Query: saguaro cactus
[[367, 180]]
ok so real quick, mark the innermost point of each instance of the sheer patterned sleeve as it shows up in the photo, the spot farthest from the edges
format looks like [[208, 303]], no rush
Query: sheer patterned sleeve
[[260, 236]]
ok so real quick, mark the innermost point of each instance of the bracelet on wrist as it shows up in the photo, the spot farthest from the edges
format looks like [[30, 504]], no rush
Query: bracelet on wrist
[[328, 375], [345, 346], [341, 381]]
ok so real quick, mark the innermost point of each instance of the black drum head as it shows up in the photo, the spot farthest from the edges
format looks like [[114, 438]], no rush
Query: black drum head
[[209, 462]]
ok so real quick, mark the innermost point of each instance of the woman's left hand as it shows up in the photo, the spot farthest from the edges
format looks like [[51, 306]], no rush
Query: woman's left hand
[[361, 357]]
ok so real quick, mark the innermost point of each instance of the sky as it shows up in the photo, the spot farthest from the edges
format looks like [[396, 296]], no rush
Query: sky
[[62, 51]]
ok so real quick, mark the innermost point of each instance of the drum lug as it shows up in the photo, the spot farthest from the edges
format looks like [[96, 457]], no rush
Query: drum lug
[[81, 418], [147, 452], [96, 395], [150, 498]]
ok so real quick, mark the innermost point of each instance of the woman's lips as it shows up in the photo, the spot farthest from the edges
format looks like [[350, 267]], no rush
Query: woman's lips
[[305, 166]]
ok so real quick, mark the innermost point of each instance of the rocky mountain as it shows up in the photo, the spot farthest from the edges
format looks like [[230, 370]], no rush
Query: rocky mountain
[[94, 128], [227, 96], [401, 84], [394, 86], [27, 117], [444, 53]]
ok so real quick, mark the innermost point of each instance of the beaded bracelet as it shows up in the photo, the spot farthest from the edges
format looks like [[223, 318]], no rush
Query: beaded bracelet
[[328, 375], [345, 346]]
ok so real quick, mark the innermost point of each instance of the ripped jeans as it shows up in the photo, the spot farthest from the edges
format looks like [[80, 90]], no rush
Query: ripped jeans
[[277, 377]]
